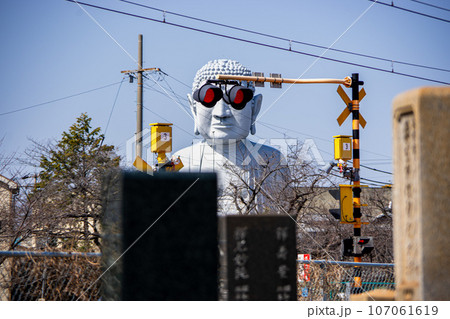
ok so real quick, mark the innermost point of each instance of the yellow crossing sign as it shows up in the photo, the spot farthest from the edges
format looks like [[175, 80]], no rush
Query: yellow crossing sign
[[347, 102], [142, 165]]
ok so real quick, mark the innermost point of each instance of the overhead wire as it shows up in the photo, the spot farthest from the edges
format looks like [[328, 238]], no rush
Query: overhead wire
[[173, 92], [179, 104], [375, 169], [153, 89], [392, 5], [430, 5], [263, 44], [169, 87], [181, 82], [286, 39], [113, 106], [168, 121], [57, 100], [371, 180]]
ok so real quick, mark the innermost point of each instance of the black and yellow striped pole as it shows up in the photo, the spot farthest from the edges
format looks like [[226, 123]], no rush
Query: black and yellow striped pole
[[355, 176], [357, 120]]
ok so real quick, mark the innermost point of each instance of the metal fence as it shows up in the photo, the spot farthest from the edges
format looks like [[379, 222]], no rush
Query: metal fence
[[320, 280], [26, 275], [31, 276]]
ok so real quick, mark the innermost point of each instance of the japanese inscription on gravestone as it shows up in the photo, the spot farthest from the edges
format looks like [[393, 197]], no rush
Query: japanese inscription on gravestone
[[260, 257]]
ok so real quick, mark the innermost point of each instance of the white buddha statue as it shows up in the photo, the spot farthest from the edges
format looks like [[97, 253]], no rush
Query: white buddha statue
[[224, 147]]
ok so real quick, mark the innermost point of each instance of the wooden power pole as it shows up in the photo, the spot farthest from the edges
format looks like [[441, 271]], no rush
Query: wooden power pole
[[140, 95]]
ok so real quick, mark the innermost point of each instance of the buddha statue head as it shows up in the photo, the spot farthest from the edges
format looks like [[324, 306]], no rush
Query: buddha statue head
[[223, 120]]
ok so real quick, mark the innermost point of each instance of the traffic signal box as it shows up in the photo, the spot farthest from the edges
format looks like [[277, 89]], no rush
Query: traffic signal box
[[345, 197], [161, 135], [342, 147]]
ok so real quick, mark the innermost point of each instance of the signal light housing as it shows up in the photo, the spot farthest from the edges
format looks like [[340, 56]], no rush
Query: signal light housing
[[238, 96], [362, 245], [345, 197], [208, 95], [347, 247]]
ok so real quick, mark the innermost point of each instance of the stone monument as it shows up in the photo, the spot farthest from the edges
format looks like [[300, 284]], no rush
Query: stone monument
[[159, 240], [421, 193]]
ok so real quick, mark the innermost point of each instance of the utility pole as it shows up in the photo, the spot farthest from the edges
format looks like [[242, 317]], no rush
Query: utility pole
[[140, 95], [356, 178], [139, 102]]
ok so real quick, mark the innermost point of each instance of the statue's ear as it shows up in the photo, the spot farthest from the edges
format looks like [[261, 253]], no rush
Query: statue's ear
[[256, 107], [194, 113]]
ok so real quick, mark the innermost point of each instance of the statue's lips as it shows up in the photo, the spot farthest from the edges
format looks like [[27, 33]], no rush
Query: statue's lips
[[221, 125]]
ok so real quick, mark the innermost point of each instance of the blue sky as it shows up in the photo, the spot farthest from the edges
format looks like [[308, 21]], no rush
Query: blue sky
[[52, 49]]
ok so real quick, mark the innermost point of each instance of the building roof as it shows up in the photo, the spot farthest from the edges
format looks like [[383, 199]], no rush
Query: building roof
[[7, 183]]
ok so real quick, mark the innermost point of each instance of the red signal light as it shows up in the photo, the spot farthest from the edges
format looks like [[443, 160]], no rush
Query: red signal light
[[238, 96], [208, 95]]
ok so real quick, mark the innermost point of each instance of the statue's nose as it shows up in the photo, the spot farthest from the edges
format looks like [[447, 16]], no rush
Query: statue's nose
[[221, 110]]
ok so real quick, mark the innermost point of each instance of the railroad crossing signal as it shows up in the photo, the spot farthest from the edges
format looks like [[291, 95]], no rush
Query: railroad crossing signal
[[348, 110], [362, 245], [345, 197], [356, 246]]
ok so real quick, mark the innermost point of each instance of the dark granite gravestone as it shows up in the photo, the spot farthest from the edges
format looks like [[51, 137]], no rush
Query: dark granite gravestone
[[258, 258], [160, 237]]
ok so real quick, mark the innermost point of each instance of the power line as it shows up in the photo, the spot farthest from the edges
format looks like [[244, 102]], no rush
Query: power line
[[392, 5], [151, 87], [374, 169], [371, 180], [114, 104], [56, 100], [173, 92], [286, 39], [179, 104], [181, 82], [169, 121], [262, 44], [430, 5]]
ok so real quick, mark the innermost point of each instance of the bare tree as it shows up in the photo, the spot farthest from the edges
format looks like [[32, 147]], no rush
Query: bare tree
[[300, 190]]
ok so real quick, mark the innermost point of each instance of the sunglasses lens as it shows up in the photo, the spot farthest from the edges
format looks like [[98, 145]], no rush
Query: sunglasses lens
[[208, 95], [239, 96]]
